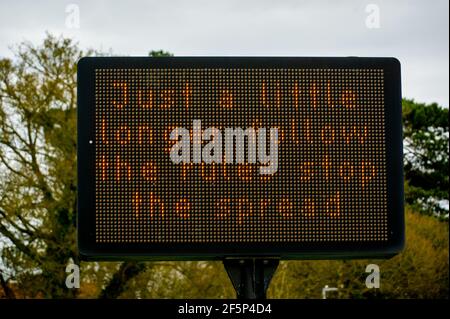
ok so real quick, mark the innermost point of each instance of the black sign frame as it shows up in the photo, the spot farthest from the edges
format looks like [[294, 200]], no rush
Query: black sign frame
[[90, 250]]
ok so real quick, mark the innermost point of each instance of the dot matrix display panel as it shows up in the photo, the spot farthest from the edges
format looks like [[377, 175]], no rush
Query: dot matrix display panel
[[337, 190]]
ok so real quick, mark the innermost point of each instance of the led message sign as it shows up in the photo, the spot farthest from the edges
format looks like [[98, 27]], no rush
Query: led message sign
[[202, 158]]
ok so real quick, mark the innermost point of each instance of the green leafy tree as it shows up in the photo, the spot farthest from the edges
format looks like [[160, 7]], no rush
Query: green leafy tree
[[159, 53], [426, 138], [420, 271]]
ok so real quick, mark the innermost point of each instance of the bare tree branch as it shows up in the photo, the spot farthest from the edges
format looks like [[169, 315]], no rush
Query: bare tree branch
[[117, 284]]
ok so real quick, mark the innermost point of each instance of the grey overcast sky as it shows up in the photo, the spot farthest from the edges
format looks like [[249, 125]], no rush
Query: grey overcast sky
[[414, 31]]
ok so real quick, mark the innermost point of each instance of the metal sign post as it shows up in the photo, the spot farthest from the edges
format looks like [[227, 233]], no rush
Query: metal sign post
[[251, 276]]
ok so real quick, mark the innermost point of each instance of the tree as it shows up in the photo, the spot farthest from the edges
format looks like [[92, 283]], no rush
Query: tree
[[38, 169], [426, 137], [38, 164], [420, 271], [159, 53]]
